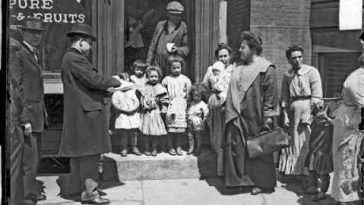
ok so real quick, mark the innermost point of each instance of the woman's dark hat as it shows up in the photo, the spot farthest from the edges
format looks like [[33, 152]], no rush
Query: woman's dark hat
[[83, 29], [34, 24]]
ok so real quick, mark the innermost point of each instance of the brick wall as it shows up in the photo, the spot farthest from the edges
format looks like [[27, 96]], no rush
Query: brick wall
[[280, 23], [238, 13]]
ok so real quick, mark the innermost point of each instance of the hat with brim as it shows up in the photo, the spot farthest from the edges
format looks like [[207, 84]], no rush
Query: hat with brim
[[175, 7], [34, 24], [81, 29]]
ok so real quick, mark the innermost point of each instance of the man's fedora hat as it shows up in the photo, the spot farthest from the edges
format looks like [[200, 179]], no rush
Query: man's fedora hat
[[175, 7], [32, 23], [83, 29]]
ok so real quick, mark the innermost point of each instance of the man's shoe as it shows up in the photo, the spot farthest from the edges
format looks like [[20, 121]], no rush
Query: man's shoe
[[96, 200], [312, 190], [33, 199], [154, 153], [102, 193], [257, 190], [41, 197]]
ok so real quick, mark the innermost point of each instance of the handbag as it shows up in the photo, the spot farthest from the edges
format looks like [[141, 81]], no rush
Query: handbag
[[268, 142]]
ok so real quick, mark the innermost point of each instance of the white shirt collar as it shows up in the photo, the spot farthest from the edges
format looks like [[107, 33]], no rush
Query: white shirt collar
[[29, 46]]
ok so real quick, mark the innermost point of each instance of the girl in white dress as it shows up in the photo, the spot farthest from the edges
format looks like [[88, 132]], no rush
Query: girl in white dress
[[154, 101], [127, 121], [177, 86]]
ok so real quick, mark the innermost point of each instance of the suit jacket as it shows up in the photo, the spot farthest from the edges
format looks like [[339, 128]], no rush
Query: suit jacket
[[85, 125], [180, 39], [27, 74]]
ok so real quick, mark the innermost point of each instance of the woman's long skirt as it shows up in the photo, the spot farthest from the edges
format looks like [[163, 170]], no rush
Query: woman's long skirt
[[216, 123], [292, 159], [239, 169], [346, 147]]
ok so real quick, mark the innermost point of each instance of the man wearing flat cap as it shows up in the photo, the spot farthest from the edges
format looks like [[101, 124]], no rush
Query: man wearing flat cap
[[85, 132], [170, 38], [27, 114]]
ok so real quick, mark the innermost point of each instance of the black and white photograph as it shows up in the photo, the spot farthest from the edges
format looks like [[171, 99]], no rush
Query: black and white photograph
[[182, 102]]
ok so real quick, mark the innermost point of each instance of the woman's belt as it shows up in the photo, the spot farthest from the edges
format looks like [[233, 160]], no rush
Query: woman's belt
[[307, 97]]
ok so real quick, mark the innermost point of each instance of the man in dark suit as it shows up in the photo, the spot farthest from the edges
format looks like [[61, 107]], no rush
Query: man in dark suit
[[26, 73], [85, 131]]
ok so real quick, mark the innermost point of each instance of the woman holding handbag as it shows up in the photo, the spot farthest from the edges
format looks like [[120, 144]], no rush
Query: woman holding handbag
[[251, 101]]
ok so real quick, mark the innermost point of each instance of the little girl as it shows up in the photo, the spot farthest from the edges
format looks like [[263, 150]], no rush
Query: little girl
[[197, 115], [177, 86], [154, 101], [127, 121], [138, 77], [319, 158]]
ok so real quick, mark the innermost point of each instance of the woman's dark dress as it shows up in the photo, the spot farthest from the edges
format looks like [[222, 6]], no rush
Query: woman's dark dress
[[247, 105]]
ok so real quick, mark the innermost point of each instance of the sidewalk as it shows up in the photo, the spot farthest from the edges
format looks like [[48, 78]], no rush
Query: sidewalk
[[183, 192]]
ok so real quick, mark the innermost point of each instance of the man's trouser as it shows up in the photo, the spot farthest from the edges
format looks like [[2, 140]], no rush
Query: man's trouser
[[30, 164], [82, 168], [16, 166]]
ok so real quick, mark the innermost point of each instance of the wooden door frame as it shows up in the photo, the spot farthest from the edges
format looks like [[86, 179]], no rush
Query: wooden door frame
[[107, 17]]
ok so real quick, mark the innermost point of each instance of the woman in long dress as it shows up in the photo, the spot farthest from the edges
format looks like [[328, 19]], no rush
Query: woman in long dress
[[301, 89], [347, 139], [251, 101], [216, 80]]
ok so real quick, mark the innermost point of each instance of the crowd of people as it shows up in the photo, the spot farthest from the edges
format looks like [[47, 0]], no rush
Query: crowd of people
[[157, 103]]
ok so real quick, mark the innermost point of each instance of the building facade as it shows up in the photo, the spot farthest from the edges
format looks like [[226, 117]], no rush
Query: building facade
[[312, 23]]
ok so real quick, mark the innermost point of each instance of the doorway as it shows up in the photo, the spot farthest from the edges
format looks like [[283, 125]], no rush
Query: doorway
[[141, 18]]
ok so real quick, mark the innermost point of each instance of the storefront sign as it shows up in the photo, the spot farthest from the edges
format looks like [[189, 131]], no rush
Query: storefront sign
[[59, 16], [51, 11]]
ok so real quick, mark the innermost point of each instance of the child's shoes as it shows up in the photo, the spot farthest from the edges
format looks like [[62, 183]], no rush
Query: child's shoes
[[172, 152], [190, 151], [179, 151], [136, 151], [124, 153]]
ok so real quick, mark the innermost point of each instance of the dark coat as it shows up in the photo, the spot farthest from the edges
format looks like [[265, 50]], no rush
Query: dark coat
[[85, 130], [252, 96], [27, 74], [179, 37]]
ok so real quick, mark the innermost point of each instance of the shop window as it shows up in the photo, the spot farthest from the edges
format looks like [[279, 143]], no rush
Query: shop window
[[58, 15]]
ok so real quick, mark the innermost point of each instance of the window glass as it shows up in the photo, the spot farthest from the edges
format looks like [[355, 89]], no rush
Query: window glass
[[58, 15]]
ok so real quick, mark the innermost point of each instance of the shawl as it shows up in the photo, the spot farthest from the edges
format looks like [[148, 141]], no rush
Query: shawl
[[242, 78]]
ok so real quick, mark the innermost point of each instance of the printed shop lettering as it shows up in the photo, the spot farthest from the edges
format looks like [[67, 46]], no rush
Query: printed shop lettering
[[44, 9]]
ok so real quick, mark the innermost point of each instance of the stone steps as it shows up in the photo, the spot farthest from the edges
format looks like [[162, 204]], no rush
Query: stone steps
[[163, 166]]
